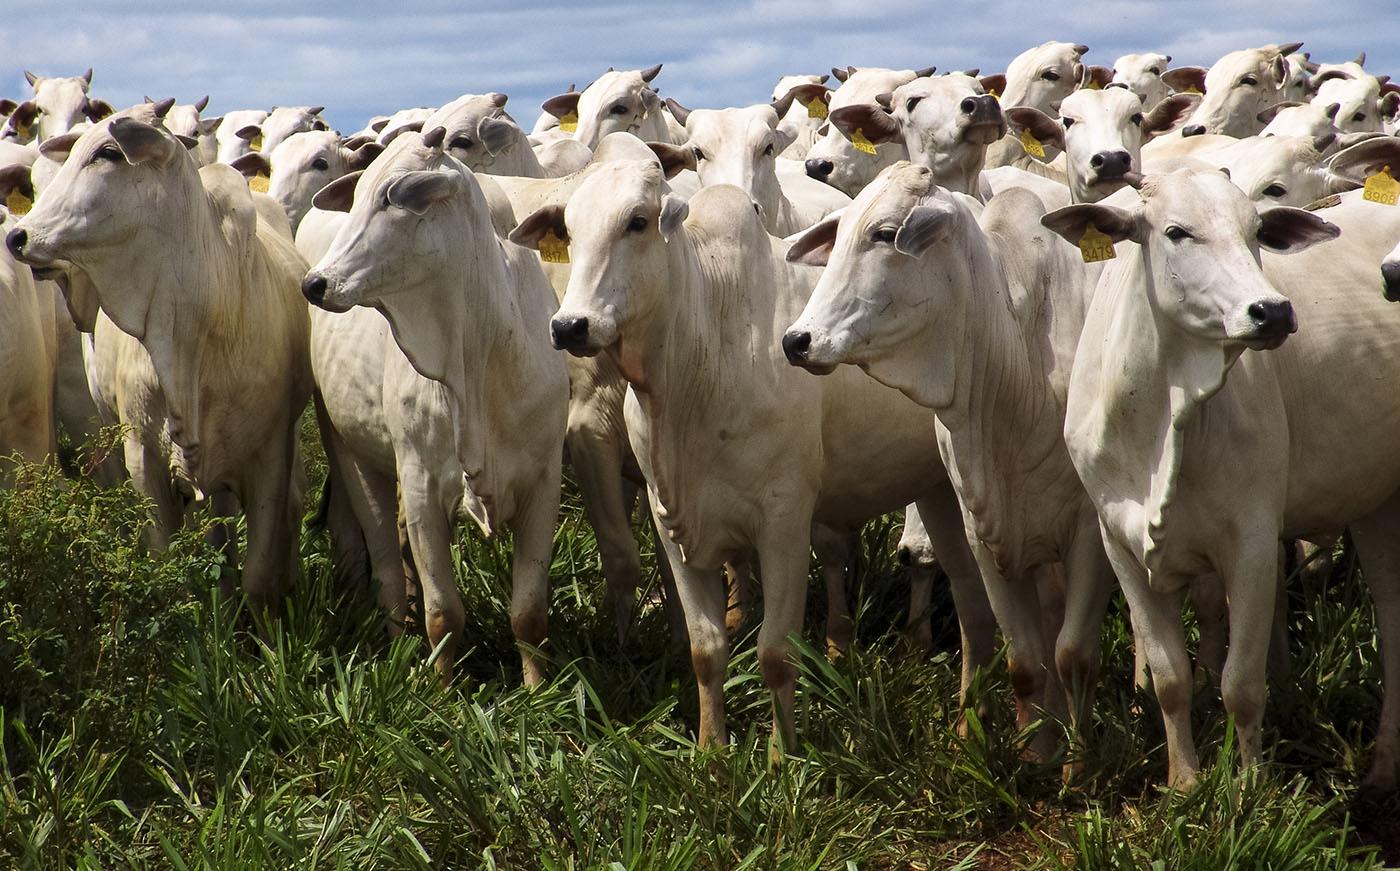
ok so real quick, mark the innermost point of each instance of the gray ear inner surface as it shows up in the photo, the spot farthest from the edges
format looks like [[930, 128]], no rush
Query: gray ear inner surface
[[673, 214], [923, 226]]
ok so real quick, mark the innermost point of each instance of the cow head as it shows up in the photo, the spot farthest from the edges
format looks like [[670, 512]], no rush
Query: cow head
[[616, 101], [1290, 118], [281, 122], [731, 146], [1362, 106], [1297, 170], [833, 158], [618, 226], [57, 106], [1237, 88], [1200, 240], [1142, 74], [1041, 77], [303, 164]]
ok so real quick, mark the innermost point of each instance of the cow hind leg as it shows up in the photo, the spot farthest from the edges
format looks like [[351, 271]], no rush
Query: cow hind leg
[[1376, 545], [1252, 584], [598, 469], [529, 598], [834, 551], [274, 525], [943, 521], [783, 562]]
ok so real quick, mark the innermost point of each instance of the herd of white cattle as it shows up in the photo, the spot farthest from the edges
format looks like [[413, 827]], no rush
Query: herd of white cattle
[[1062, 290]]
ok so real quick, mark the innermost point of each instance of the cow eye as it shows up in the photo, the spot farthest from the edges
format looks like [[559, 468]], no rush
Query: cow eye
[[1275, 190], [619, 109], [910, 103], [462, 142], [1249, 80], [1050, 76], [768, 151], [1154, 71], [320, 164], [637, 224], [109, 152], [1068, 122], [699, 155], [884, 234], [1136, 119], [1359, 116], [1176, 234]]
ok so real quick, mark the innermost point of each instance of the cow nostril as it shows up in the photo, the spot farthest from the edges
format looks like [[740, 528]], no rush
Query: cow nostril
[[1272, 318], [313, 287], [818, 168], [968, 106], [568, 332], [1193, 130], [1096, 161], [15, 240], [796, 345]]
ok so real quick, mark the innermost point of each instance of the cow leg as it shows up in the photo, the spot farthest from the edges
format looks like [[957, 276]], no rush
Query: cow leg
[[373, 498], [738, 583], [784, 559], [917, 628], [675, 614], [430, 538], [1158, 632], [1280, 666], [1017, 607], [1252, 585], [1376, 545], [150, 475], [701, 593], [597, 466], [223, 536], [977, 623], [1089, 583], [1212, 614], [274, 522], [529, 572], [834, 550], [349, 551]]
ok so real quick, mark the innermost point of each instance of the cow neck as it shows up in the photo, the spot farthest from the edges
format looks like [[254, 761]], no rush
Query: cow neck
[[1153, 378], [1003, 421], [954, 171], [465, 333], [712, 373]]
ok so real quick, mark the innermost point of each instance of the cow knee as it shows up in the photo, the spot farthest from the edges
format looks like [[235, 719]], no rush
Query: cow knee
[[530, 623], [1244, 699], [776, 667], [710, 659]]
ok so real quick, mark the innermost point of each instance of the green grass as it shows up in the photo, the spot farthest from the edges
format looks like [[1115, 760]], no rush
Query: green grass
[[146, 724]]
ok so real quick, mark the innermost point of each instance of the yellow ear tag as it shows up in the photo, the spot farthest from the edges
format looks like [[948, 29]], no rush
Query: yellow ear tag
[[861, 143], [1193, 90], [255, 144], [1095, 246], [816, 108], [1093, 85], [991, 92], [22, 130], [258, 183], [569, 124], [553, 249], [18, 203], [1381, 188], [1031, 144]]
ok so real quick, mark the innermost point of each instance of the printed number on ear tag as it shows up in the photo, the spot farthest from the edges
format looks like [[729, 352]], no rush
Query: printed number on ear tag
[[861, 143], [1381, 188], [255, 144], [258, 183], [569, 123], [18, 203], [553, 249], [1031, 144], [816, 108], [1096, 246]]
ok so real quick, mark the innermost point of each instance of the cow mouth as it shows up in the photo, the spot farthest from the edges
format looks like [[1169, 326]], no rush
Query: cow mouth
[[814, 367], [1266, 343], [984, 132]]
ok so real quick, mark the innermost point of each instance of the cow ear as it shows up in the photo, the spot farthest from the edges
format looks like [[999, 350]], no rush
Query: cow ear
[[252, 164], [496, 134], [1096, 76], [1279, 67], [1389, 105], [1183, 79], [339, 195], [421, 189], [1269, 114], [1366, 158], [25, 113], [411, 127], [925, 225], [207, 126], [782, 138], [250, 132], [674, 158], [7, 105], [1070, 222], [1287, 230], [673, 214], [56, 148], [994, 84], [562, 105], [545, 220], [874, 123], [96, 110], [364, 155], [804, 94], [814, 246], [141, 142], [1168, 113], [15, 177], [1037, 123]]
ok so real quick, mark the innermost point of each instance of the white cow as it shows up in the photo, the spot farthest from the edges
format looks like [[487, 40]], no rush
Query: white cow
[[281, 122], [27, 357], [1362, 106], [741, 147], [202, 338], [184, 119], [1142, 74], [474, 400], [833, 159], [1300, 119], [1237, 88], [403, 121], [742, 453], [231, 145], [301, 165], [57, 106], [616, 101], [1038, 78], [487, 140], [1298, 170], [1200, 452], [998, 312]]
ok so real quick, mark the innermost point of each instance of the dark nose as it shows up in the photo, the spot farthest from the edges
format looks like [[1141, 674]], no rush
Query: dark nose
[[1193, 130], [1273, 320], [819, 169], [15, 240], [1390, 271], [313, 287], [568, 333], [1111, 164], [795, 346]]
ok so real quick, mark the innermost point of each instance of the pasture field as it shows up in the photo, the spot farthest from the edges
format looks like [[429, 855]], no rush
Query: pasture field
[[145, 724]]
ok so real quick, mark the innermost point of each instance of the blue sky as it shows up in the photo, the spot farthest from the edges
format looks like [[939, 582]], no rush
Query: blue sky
[[360, 59]]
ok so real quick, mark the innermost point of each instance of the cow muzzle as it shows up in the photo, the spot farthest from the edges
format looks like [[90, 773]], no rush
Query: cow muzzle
[[1390, 274], [985, 123], [571, 334], [1273, 321], [1110, 165], [819, 168], [797, 345]]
